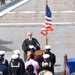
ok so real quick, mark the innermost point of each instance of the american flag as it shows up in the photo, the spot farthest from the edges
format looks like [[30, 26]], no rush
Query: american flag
[[48, 21]]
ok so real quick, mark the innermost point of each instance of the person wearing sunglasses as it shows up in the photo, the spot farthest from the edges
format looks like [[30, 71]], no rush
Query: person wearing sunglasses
[[29, 42]]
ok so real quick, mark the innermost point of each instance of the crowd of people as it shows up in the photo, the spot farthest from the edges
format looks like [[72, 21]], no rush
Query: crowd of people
[[33, 65]]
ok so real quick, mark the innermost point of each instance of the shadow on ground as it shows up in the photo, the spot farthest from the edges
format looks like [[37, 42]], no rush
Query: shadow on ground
[[3, 47]]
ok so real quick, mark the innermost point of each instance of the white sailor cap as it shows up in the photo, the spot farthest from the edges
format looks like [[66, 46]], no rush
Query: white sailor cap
[[17, 52], [31, 46], [47, 46], [15, 56], [48, 73], [46, 56], [2, 52]]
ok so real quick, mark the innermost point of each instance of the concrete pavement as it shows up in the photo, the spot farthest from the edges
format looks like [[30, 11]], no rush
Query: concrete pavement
[[62, 40], [30, 17]]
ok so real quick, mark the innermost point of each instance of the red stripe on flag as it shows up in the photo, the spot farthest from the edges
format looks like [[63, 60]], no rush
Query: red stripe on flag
[[48, 18]]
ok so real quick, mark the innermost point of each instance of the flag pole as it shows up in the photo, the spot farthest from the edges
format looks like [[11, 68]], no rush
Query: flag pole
[[46, 31], [46, 38]]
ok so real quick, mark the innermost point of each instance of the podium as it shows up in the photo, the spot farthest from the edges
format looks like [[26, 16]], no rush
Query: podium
[[37, 52]]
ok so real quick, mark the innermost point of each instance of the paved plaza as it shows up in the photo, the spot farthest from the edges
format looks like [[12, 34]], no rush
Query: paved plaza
[[61, 39], [15, 24]]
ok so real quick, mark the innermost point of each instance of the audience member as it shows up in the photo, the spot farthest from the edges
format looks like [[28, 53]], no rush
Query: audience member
[[52, 57], [46, 63], [34, 63], [16, 67], [18, 53], [4, 61], [3, 68], [20, 59]]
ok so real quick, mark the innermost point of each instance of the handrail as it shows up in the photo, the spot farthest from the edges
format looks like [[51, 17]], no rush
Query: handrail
[[7, 5]]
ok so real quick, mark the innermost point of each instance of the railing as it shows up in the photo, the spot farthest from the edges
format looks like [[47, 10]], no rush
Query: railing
[[9, 4]]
